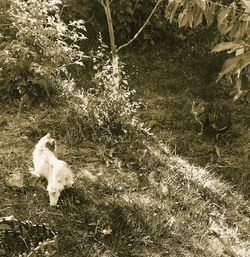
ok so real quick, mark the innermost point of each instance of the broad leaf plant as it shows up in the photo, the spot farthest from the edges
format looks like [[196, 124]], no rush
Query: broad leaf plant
[[233, 23]]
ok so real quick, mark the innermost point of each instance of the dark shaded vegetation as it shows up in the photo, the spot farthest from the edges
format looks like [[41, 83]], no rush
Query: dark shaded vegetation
[[132, 13], [174, 75]]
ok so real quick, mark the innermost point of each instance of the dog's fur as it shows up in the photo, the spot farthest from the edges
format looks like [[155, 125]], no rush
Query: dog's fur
[[46, 164]]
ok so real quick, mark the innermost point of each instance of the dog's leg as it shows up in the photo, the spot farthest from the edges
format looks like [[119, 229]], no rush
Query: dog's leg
[[69, 181], [54, 193]]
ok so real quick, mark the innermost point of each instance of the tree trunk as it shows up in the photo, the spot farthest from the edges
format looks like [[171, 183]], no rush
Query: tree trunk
[[114, 49], [115, 59]]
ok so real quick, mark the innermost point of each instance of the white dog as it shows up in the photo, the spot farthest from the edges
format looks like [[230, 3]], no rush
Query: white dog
[[46, 164]]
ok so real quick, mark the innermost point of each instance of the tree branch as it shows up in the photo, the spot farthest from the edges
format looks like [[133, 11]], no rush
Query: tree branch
[[141, 29], [110, 27], [102, 3]]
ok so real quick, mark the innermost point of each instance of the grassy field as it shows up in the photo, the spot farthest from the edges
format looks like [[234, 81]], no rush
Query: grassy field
[[151, 197], [168, 82]]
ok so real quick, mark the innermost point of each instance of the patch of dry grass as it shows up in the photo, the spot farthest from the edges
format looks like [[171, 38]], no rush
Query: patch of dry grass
[[159, 206], [168, 86], [134, 195]]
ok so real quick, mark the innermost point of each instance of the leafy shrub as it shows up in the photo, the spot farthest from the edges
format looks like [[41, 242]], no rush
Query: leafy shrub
[[89, 11], [106, 108], [232, 23], [36, 49], [128, 17]]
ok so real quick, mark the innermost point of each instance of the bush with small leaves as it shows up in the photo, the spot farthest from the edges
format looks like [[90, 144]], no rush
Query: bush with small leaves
[[106, 109], [128, 17], [36, 49]]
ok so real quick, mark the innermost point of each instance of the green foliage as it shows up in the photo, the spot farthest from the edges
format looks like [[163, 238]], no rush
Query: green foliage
[[89, 11], [233, 25], [36, 49], [106, 109], [128, 17]]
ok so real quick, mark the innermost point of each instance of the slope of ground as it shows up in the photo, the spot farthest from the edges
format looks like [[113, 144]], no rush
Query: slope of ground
[[168, 79], [178, 210], [160, 205]]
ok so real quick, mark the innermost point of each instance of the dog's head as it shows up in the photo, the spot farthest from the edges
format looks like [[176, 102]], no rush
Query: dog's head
[[51, 145], [53, 197], [48, 142]]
